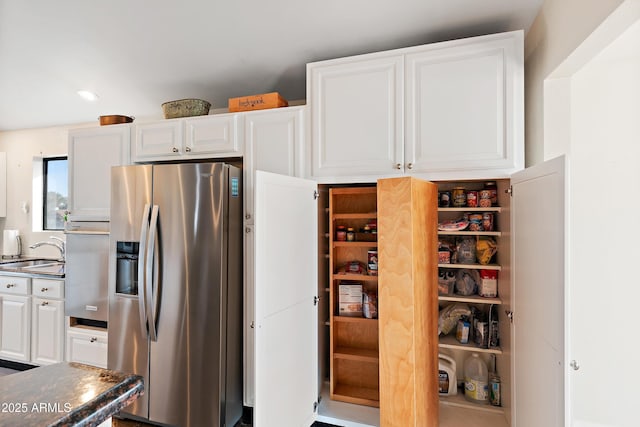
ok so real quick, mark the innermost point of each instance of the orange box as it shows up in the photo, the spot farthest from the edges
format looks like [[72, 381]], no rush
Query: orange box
[[257, 102]]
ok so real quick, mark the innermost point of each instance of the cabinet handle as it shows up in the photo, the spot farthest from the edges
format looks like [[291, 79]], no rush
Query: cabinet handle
[[188, 149], [174, 149], [45, 303], [11, 285], [44, 289], [398, 166], [409, 165], [93, 339]]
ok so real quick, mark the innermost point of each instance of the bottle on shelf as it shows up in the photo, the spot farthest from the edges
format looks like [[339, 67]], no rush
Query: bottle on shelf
[[476, 380]]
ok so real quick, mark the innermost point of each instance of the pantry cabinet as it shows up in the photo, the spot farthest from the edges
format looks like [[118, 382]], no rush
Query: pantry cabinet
[[91, 154], [211, 136], [274, 143], [354, 361], [446, 110]]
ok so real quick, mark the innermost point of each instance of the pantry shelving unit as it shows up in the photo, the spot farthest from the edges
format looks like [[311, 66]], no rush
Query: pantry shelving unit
[[354, 360], [449, 343]]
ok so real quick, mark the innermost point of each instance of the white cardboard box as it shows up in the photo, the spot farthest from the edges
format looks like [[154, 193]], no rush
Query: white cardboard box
[[350, 299]]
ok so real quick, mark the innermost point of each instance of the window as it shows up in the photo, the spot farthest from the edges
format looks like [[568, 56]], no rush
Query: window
[[54, 195]]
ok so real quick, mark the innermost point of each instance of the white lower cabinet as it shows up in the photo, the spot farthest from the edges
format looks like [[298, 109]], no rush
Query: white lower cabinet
[[15, 329], [32, 320], [47, 334], [87, 345]]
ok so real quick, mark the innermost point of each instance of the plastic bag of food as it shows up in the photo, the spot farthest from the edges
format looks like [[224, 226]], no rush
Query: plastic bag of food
[[467, 282], [449, 316], [486, 247], [370, 304], [466, 250]]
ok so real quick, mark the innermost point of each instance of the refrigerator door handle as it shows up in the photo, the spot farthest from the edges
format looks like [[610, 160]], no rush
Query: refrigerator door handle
[[151, 279], [144, 229]]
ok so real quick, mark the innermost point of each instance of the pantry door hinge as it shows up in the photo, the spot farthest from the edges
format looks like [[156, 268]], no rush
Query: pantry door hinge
[[509, 190], [509, 314], [316, 299], [316, 195]]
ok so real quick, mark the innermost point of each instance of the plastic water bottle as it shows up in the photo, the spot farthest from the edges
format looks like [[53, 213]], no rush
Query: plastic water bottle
[[476, 379]]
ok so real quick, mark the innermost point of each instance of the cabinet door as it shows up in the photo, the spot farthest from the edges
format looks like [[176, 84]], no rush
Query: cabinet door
[[286, 345], [92, 153], [88, 348], [465, 108], [274, 141], [213, 136], [3, 184], [15, 327], [47, 331], [538, 215], [357, 117], [158, 141]]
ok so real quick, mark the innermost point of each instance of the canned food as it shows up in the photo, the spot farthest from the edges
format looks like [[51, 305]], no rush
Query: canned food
[[445, 199], [487, 221], [459, 197], [493, 191], [485, 198], [472, 198], [341, 233], [475, 222]]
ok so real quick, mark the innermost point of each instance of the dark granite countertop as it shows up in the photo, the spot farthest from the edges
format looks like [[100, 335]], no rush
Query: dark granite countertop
[[65, 394]]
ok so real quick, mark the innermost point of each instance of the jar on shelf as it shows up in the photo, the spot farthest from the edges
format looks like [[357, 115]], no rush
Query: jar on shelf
[[459, 197], [351, 235], [341, 233]]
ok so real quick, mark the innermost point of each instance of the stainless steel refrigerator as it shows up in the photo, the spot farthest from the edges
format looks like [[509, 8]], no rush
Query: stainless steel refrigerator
[[175, 290]]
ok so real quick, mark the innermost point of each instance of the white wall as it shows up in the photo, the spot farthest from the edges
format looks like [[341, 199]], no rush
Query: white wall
[[560, 27], [21, 147]]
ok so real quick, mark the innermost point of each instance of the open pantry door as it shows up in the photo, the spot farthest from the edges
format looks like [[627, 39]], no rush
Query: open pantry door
[[538, 215], [286, 311]]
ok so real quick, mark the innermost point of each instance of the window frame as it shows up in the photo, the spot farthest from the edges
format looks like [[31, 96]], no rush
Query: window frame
[[45, 189]]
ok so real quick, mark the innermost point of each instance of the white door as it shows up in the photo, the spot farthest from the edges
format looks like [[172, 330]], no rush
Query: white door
[[285, 325], [538, 215], [15, 332], [47, 333]]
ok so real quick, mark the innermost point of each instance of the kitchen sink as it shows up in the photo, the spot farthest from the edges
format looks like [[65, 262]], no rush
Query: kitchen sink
[[34, 266], [28, 263]]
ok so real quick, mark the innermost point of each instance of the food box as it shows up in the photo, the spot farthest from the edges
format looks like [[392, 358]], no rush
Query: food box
[[257, 102], [350, 299]]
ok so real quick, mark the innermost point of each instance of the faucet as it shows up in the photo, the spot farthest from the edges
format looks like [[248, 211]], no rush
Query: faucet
[[61, 246]]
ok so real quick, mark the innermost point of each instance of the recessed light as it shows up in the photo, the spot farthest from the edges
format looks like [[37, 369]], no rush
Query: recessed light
[[87, 95]]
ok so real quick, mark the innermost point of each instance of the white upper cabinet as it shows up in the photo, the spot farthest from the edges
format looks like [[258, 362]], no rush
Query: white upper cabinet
[[189, 138], [274, 143], [356, 116], [91, 154], [448, 110]]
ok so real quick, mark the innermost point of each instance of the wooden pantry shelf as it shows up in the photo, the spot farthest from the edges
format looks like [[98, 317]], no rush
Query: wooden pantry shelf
[[356, 244], [359, 215], [470, 233], [355, 277], [356, 394], [449, 341], [473, 299], [472, 266], [357, 354], [467, 209]]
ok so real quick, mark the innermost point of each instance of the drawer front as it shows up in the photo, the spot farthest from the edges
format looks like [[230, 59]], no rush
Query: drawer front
[[15, 285], [90, 349], [48, 288]]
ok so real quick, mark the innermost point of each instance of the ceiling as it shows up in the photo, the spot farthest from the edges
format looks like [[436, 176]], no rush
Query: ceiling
[[137, 54]]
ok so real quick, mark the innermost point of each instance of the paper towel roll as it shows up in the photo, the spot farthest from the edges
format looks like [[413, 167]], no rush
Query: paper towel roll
[[11, 243]]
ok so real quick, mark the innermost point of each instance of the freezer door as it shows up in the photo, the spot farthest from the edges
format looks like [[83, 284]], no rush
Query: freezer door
[[195, 296], [128, 339]]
